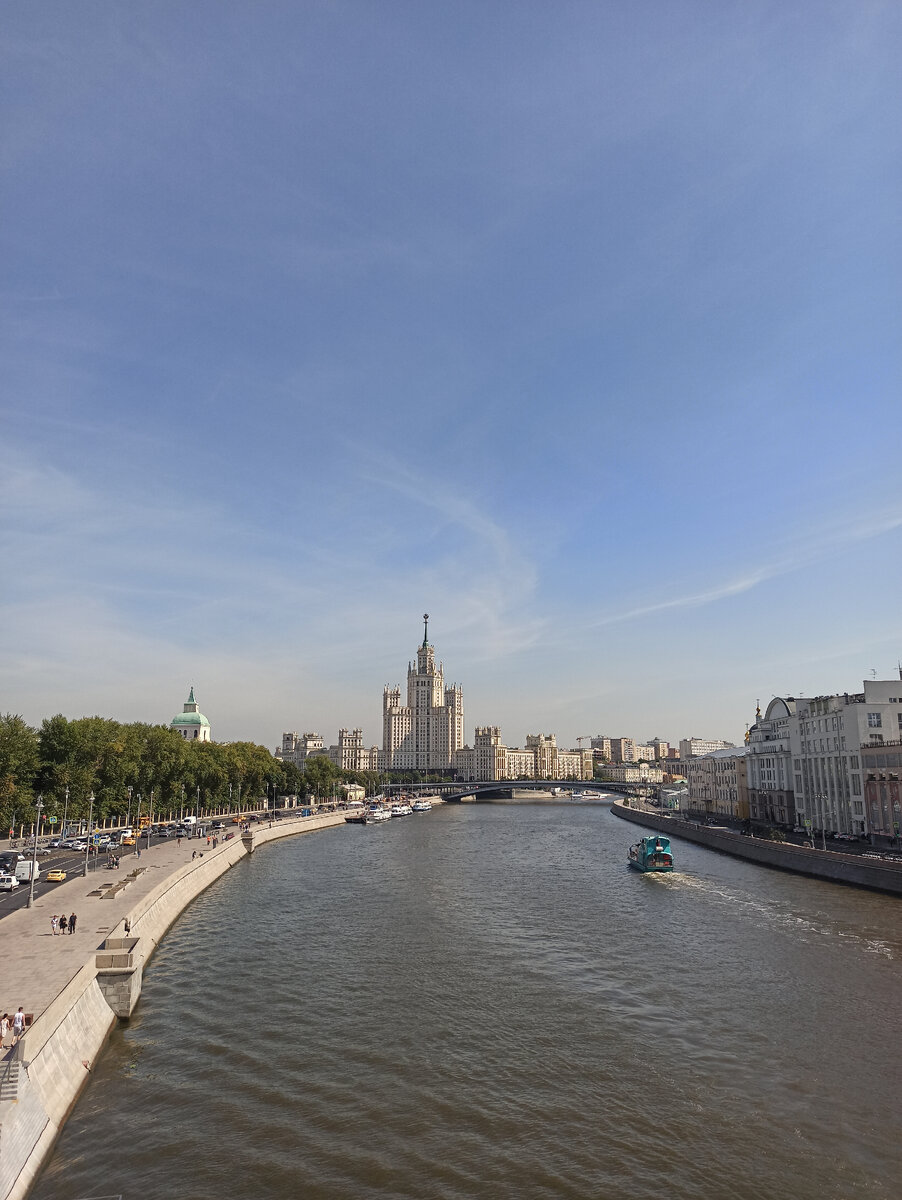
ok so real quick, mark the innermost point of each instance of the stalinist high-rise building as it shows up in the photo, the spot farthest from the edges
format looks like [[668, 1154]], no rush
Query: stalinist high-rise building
[[422, 734]]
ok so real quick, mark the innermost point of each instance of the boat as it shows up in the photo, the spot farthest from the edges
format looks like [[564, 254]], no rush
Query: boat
[[585, 795], [401, 810], [651, 854], [355, 818], [421, 806], [375, 815]]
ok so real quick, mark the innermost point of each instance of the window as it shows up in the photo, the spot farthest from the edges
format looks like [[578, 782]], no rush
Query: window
[[857, 808], [856, 785], [874, 720], [853, 762]]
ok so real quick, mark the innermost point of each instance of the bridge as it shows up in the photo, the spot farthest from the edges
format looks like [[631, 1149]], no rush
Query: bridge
[[486, 788]]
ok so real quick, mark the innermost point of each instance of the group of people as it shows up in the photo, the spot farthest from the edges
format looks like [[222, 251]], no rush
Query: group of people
[[63, 924], [12, 1025]]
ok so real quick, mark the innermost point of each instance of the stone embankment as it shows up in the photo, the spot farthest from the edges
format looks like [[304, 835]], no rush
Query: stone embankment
[[802, 860], [75, 1010]]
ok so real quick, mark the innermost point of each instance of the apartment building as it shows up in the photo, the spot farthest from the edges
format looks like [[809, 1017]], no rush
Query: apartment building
[[424, 733], [717, 783]]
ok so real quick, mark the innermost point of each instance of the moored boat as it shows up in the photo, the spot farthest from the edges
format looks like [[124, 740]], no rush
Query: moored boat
[[651, 854], [375, 815], [421, 806]]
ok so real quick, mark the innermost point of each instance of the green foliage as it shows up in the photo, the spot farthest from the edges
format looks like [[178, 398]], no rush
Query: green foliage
[[99, 756], [18, 767]]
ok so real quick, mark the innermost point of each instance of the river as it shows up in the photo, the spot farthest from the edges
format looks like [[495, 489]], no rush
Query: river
[[484, 1002]]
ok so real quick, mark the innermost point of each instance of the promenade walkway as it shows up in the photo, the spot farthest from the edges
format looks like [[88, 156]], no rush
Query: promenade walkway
[[35, 966]]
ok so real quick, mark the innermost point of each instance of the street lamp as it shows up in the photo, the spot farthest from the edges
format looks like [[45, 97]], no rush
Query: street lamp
[[65, 831], [128, 818], [150, 818], [88, 843], [34, 855]]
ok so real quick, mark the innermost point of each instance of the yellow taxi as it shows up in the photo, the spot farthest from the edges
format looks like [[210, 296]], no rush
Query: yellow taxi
[[129, 840], [56, 876]]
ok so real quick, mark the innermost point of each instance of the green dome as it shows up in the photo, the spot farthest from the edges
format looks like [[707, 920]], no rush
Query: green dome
[[194, 718]]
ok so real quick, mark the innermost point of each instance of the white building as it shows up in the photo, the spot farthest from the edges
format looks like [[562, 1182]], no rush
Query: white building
[[631, 773], [696, 747], [191, 722], [826, 737], [297, 747], [423, 734], [769, 764]]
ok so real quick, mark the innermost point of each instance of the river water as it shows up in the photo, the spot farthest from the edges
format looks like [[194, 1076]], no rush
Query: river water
[[485, 1002]]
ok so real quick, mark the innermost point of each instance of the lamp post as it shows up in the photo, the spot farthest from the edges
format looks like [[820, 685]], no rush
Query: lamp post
[[34, 854], [128, 818], [150, 816], [65, 831], [88, 843]]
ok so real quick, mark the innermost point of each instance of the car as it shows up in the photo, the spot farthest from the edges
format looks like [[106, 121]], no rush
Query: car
[[55, 843], [78, 846], [128, 840], [219, 824], [8, 883], [56, 876]]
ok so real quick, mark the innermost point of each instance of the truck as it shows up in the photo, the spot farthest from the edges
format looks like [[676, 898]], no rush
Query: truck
[[24, 869]]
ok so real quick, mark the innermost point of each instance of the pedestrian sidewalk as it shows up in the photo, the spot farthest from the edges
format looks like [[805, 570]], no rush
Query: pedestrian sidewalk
[[35, 966]]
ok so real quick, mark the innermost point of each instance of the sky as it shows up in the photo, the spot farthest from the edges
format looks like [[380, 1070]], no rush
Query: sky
[[575, 325]]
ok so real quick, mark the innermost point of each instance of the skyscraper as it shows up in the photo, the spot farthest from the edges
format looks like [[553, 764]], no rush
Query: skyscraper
[[422, 734]]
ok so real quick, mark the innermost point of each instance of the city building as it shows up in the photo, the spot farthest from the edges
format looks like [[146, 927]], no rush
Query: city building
[[350, 754], [662, 749], [602, 747], [828, 738], [623, 750], [717, 783], [881, 765], [191, 722], [297, 747], [696, 747], [631, 773], [424, 733], [769, 764], [490, 759]]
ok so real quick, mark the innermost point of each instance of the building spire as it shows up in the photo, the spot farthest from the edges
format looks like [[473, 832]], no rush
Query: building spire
[[425, 630]]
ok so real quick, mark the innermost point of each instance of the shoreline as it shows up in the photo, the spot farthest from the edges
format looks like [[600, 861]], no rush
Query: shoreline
[[831, 866], [42, 1077]]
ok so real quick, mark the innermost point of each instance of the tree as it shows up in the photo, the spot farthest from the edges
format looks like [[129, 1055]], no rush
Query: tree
[[19, 760]]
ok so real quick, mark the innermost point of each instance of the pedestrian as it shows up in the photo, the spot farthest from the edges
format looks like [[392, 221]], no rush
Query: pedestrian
[[72, 920], [138, 851], [55, 924], [193, 855], [64, 924], [127, 925], [178, 841], [18, 1026], [4, 1029], [208, 839]]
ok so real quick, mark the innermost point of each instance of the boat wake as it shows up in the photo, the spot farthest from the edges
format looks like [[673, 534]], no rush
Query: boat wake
[[780, 915]]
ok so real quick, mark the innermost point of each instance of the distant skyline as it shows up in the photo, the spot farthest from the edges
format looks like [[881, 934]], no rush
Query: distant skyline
[[576, 326]]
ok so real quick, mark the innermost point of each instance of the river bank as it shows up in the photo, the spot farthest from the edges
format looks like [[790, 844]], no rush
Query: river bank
[[76, 990], [834, 867]]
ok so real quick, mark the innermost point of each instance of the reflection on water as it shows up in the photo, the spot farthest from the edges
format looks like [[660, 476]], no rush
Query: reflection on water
[[484, 1002]]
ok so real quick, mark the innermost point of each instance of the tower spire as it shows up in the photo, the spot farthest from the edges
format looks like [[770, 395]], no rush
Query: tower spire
[[425, 630]]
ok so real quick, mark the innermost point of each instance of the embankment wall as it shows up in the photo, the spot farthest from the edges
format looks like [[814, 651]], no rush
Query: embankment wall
[[835, 868], [42, 1081]]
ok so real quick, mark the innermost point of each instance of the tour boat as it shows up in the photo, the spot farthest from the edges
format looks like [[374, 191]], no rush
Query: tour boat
[[377, 814], [421, 806], [401, 810], [651, 854]]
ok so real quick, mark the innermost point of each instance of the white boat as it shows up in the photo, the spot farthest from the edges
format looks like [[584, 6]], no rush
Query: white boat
[[421, 806], [401, 810], [377, 814]]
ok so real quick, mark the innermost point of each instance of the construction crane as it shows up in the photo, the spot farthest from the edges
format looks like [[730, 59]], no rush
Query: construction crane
[[587, 737]]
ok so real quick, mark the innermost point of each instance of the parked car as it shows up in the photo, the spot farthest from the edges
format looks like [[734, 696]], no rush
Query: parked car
[[56, 876], [55, 843]]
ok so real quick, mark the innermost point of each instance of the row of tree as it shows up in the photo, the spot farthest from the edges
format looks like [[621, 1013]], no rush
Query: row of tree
[[66, 762]]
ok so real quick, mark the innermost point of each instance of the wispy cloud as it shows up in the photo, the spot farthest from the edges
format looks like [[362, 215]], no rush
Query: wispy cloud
[[807, 549]]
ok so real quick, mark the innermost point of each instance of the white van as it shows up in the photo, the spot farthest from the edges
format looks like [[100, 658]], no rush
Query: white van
[[24, 870], [8, 883]]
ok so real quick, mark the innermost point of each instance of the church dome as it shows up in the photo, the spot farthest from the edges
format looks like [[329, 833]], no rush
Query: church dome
[[191, 722]]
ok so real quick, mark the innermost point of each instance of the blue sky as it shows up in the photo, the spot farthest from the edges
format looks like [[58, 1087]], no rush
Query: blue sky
[[576, 325]]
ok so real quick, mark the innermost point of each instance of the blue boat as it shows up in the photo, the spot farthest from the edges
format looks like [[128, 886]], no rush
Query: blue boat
[[651, 854]]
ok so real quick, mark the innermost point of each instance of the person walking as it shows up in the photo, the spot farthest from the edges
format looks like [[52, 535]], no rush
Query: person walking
[[64, 924], [18, 1026], [55, 924], [178, 841], [4, 1030], [72, 920]]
